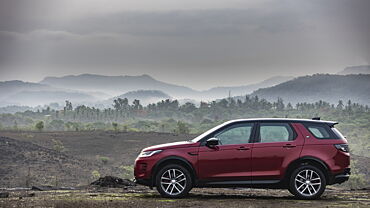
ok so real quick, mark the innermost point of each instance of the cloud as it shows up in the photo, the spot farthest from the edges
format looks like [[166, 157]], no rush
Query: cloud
[[228, 41]]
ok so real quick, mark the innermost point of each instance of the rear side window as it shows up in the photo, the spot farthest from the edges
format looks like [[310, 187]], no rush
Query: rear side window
[[320, 131], [275, 132]]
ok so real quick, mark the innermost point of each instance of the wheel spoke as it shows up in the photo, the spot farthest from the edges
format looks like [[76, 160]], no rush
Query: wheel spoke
[[308, 188], [298, 181], [315, 184], [314, 190], [301, 177], [180, 185], [300, 186], [167, 188], [179, 176], [181, 180], [174, 185]]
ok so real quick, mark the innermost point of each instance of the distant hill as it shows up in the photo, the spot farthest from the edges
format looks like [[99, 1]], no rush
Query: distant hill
[[364, 69], [330, 88], [221, 92], [117, 84], [145, 96], [33, 94], [34, 98], [11, 87], [124, 84]]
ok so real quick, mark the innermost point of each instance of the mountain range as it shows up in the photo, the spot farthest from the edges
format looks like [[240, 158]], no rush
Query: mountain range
[[326, 87], [100, 90]]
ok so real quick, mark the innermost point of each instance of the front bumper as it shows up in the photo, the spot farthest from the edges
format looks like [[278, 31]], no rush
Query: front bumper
[[145, 182]]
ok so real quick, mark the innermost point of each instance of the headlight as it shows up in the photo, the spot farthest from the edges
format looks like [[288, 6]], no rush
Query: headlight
[[342, 147], [149, 153]]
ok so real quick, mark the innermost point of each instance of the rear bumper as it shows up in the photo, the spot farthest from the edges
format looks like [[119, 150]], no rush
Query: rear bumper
[[342, 177]]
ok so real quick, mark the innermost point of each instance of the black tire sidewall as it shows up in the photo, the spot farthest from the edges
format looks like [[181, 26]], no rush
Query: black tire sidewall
[[188, 186], [294, 191]]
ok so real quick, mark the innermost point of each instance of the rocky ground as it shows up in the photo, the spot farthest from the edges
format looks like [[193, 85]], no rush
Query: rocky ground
[[143, 197], [30, 159]]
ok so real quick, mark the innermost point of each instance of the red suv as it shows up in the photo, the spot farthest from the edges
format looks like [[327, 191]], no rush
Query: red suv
[[298, 154]]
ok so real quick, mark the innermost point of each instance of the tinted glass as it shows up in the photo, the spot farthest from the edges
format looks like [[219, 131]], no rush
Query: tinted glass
[[320, 131], [275, 132], [236, 134]]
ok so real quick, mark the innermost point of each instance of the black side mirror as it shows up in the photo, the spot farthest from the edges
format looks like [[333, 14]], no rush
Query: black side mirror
[[212, 142]]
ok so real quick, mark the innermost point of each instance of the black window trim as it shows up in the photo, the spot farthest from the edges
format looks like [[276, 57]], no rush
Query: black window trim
[[258, 136]]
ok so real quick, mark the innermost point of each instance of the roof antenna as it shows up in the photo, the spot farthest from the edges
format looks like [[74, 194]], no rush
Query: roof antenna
[[316, 118]]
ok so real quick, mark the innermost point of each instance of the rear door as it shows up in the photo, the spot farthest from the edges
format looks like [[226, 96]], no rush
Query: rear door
[[277, 144]]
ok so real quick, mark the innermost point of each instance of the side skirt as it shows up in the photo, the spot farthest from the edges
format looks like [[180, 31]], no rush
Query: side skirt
[[273, 184]]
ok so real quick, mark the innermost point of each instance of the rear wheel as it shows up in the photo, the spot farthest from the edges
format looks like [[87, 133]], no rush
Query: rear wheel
[[173, 181], [307, 182]]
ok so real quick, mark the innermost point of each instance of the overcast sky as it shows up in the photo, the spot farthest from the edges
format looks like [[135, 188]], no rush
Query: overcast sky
[[197, 43]]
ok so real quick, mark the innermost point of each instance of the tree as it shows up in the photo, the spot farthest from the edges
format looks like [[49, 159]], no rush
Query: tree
[[182, 128], [39, 125]]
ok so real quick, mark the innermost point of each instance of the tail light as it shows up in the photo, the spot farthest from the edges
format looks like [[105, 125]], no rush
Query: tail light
[[342, 147]]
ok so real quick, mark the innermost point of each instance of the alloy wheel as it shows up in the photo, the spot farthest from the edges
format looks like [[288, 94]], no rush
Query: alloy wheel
[[307, 182], [173, 182]]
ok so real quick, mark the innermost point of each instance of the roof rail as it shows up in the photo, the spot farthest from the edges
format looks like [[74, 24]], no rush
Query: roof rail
[[316, 118]]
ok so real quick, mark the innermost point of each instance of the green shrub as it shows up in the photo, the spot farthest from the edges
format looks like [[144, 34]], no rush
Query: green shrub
[[58, 145], [39, 125], [95, 174], [104, 160]]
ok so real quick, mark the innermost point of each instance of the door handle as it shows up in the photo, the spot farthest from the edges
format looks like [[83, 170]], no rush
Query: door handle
[[289, 146], [243, 148]]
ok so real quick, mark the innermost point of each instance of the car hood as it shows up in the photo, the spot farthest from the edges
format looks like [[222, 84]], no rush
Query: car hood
[[172, 145]]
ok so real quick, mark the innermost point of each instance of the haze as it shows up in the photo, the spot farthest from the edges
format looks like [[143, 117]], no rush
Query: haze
[[200, 44]]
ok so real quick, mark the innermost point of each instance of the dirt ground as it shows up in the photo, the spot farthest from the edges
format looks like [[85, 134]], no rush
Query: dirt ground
[[143, 197], [32, 153]]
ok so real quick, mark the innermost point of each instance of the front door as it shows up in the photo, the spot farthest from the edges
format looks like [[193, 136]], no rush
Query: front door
[[231, 159]]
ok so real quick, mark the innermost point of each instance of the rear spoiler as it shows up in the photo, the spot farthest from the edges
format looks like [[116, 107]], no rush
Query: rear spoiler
[[331, 124]]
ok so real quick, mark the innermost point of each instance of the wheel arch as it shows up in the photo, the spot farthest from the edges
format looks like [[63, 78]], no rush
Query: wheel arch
[[309, 160], [173, 160]]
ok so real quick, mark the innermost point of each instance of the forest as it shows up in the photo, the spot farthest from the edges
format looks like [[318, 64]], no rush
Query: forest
[[169, 116]]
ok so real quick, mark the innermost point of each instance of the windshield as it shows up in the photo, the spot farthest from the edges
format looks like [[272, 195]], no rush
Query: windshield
[[196, 139]]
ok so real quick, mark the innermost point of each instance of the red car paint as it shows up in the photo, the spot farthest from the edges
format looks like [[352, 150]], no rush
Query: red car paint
[[249, 164]]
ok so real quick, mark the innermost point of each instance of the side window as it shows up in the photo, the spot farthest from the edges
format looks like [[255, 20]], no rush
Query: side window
[[236, 134], [320, 131], [275, 132]]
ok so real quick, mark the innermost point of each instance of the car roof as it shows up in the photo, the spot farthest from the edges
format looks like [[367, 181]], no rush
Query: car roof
[[330, 123]]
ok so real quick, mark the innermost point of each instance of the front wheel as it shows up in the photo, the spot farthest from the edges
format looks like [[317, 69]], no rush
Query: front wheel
[[173, 181], [307, 182]]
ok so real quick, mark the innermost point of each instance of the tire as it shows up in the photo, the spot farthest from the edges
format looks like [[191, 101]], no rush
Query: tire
[[173, 181], [307, 182]]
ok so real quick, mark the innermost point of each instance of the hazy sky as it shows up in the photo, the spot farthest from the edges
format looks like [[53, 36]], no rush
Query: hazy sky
[[197, 43]]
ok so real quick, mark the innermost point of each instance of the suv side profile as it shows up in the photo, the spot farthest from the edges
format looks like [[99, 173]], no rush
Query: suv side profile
[[301, 155]]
